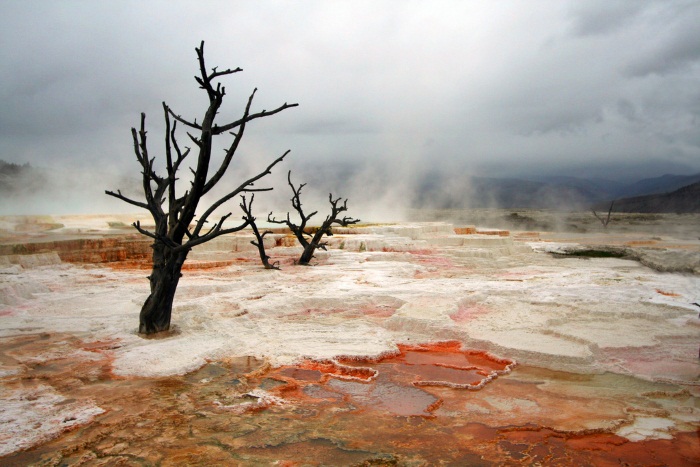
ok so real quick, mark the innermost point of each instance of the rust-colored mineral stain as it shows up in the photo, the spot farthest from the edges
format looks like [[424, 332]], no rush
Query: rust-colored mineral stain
[[387, 396], [447, 364], [394, 383], [536, 445], [435, 261], [465, 230], [378, 311], [450, 354], [465, 314], [302, 374], [337, 370], [346, 412], [666, 293], [446, 354], [441, 376], [497, 233], [641, 242]]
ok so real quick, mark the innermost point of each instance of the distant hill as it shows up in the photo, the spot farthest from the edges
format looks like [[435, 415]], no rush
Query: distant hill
[[682, 200], [598, 187], [441, 192], [657, 185], [667, 193], [610, 189]]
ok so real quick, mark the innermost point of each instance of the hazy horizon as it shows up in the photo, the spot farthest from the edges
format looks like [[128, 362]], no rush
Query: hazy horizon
[[373, 194]]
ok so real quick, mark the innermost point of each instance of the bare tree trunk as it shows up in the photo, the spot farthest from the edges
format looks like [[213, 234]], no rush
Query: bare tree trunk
[[260, 244], [300, 231], [316, 242], [164, 278], [259, 241], [307, 255], [177, 231], [605, 221]]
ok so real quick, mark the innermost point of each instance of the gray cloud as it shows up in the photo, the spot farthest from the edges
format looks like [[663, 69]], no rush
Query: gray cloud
[[335, 125], [594, 17], [676, 45], [497, 88]]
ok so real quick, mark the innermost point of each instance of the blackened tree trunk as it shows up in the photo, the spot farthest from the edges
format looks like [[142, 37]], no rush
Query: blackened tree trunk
[[310, 242], [259, 241], [176, 231], [605, 220], [317, 242], [164, 278], [308, 254]]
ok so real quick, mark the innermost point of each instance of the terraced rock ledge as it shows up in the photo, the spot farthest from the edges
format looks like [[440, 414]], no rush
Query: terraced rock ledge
[[406, 344]]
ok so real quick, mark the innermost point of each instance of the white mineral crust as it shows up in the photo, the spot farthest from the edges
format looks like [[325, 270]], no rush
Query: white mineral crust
[[517, 302]]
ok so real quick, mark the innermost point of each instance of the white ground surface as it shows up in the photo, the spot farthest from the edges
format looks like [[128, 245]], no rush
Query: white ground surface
[[489, 292]]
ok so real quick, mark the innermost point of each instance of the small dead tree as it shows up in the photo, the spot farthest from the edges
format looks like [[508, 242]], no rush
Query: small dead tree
[[176, 232], [308, 239], [259, 241], [605, 221]]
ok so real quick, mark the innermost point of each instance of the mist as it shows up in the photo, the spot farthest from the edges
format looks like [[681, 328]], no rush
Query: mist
[[390, 94]]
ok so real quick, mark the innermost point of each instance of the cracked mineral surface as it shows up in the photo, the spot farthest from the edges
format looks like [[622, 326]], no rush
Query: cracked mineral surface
[[405, 344]]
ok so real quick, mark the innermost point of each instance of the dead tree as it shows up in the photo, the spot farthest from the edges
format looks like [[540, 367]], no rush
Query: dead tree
[[312, 239], [259, 241], [605, 221], [176, 231]]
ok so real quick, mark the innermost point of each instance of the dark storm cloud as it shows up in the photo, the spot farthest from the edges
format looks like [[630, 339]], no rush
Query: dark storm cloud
[[493, 86]]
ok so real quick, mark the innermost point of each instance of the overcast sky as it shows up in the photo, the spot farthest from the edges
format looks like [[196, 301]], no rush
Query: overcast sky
[[487, 87]]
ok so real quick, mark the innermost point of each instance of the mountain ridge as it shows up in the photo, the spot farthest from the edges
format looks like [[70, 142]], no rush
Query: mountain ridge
[[681, 201]]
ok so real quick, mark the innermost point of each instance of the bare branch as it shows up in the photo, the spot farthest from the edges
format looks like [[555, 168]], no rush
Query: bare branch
[[264, 113], [605, 221], [205, 238], [119, 195], [260, 243], [137, 226], [175, 231], [147, 233], [183, 121], [241, 188], [216, 74], [195, 140], [231, 150], [300, 232]]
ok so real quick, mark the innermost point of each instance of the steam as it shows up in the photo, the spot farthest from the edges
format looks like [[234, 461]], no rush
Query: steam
[[44, 191], [378, 190]]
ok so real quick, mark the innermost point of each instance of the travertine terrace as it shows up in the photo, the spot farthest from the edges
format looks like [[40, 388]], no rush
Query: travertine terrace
[[405, 344]]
